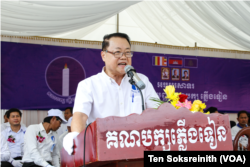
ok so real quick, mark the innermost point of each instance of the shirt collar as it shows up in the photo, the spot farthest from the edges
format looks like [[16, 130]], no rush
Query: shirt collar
[[108, 78], [41, 127], [7, 124], [240, 126], [10, 130]]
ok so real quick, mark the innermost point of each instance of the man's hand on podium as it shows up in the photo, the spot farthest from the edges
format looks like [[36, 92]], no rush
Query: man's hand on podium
[[68, 142]]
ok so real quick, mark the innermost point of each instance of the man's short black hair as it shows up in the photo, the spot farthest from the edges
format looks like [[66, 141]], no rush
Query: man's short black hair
[[242, 111], [47, 119], [105, 42], [212, 109], [70, 108], [185, 71], [13, 110]]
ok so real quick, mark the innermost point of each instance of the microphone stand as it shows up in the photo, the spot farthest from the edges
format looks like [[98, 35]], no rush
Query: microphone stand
[[133, 83]]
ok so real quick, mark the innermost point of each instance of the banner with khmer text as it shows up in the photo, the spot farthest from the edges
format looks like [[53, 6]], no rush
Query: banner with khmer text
[[43, 77]]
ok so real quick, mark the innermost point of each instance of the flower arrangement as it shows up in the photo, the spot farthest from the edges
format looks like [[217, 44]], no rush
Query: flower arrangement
[[11, 139], [40, 138], [179, 100]]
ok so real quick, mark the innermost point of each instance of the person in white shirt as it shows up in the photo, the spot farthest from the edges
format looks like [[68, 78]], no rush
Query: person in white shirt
[[41, 141], [109, 93], [243, 120], [5, 153], [5, 117], [68, 112], [6, 123], [65, 133], [14, 135]]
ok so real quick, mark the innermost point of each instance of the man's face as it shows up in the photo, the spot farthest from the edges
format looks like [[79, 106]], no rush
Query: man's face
[[55, 124], [175, 72], [243, 119], [14, 119], [114, 65], [67, 114], [186, 74]]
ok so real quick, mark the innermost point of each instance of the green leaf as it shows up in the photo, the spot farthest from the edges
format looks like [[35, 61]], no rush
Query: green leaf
[[157, 100]]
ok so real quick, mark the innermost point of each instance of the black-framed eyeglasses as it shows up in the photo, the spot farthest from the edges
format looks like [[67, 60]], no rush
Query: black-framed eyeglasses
[[119, 54]]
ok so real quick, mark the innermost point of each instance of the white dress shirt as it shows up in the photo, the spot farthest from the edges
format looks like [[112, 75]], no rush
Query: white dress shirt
[[100, 96], [61, 139], [37, 152], [243, 139], [16, 146], [5, 153], [7, 124], [63, 128], [4, 126]]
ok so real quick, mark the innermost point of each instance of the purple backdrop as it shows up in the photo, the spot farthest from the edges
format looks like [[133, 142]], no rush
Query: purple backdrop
[[32, 76]]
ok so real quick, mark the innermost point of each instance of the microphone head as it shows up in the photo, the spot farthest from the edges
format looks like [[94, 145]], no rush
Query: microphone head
[[141, 85], [128, 68]]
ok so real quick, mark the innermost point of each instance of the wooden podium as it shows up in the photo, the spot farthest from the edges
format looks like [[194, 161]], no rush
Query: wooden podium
[[121, 141]]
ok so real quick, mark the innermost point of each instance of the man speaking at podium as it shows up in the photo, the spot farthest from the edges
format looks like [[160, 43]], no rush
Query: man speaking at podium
[[109, 92]]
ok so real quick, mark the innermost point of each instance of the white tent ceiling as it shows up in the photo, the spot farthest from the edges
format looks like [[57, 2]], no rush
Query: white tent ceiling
[[224, 24], [176, 23]]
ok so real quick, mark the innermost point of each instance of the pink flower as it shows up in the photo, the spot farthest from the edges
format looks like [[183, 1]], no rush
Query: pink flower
[[186, 104], [40, 138], [11, 139]]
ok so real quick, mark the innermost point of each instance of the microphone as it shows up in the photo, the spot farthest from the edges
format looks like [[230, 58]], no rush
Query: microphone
[[132, 73]]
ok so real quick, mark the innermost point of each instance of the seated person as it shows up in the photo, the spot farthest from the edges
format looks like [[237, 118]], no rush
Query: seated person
[[5, 153], [5, 117], [243, 120], [212, 110], [109, 93], [67, 114], [232, 124], [3, 143], [6, 124], [248, 119], [14, 135], [41, 141], [65, 133]]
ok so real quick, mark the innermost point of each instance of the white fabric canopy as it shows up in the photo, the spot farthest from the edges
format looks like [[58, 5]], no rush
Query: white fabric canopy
[[223, 24], [46, 18], [211, 24]]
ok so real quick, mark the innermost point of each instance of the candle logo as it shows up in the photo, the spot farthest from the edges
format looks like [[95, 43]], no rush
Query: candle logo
[[62, 76], [65, 81]]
